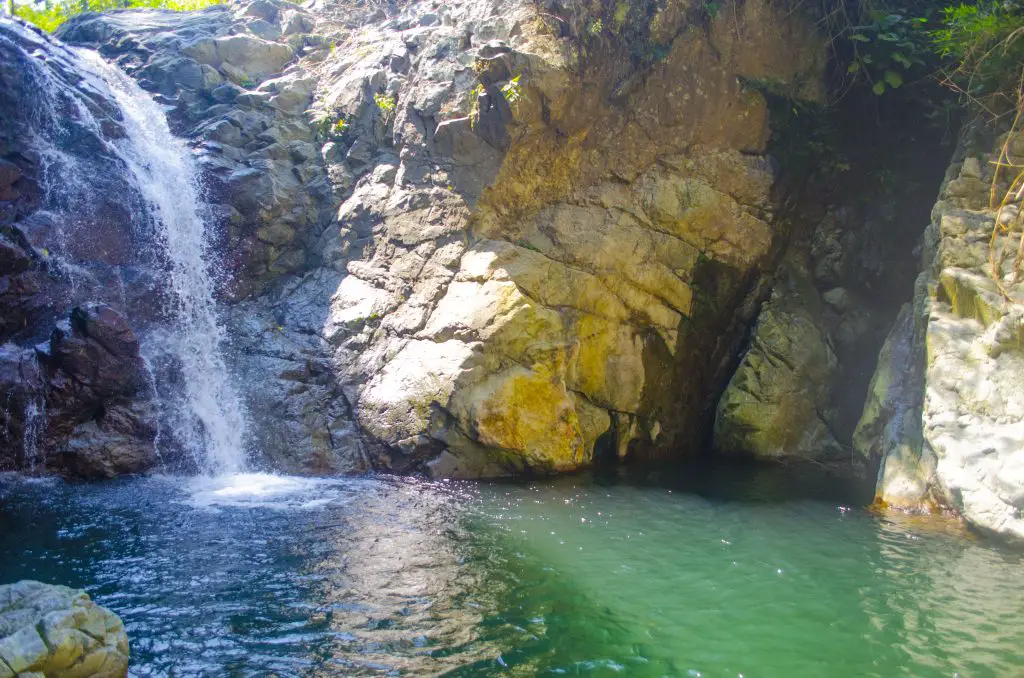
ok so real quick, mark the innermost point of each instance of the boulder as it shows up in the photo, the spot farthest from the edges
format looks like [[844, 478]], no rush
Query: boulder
[[777, 404], [80, 403], [58, 632]]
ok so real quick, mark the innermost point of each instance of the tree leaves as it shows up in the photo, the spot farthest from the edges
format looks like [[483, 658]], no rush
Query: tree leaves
[[893, 79]]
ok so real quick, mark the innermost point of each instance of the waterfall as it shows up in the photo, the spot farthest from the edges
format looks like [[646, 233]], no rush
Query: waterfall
[[73, 91], [165, 173]]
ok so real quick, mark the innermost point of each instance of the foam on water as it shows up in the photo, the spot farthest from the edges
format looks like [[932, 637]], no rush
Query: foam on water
[[267, 490]]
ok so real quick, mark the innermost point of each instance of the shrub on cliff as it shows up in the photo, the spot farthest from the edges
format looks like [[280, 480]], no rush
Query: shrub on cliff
[[53, 15], [984, 45]]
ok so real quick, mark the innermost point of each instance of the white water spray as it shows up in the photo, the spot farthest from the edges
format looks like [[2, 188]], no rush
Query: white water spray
[[165, 174], [73, 85]]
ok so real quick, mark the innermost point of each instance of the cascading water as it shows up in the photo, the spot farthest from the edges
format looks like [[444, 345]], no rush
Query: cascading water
[[74, 120], [166, 176]]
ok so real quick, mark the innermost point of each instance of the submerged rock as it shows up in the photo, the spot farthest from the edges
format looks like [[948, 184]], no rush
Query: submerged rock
[[58, 632]]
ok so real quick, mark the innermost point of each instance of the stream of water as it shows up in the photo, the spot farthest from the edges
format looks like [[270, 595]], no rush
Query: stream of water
[[212, 423], [170, 231], [258, 575]]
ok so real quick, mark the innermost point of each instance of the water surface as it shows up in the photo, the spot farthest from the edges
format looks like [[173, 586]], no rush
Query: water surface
[[263, 575]]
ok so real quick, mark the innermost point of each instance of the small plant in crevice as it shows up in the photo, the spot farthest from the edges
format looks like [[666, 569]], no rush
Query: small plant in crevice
[[387, 104], [321, 121], [474, 104], [329, 124], [513, 91], [595, 28], [526, 245]]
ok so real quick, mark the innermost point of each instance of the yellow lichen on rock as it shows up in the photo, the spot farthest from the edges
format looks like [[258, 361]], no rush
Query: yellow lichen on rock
[[530, 412]]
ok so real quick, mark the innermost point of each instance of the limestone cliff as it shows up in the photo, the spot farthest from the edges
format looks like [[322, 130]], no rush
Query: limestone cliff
[[942, 424]]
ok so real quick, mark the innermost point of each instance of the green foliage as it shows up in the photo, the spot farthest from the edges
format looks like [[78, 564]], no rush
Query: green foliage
[[474, 104], [805, 139], [596, 27], [513, 91], [887, 48], [982, 42], [710, 9], [330, 125], [387, 104], [621, 14], [50, 18]]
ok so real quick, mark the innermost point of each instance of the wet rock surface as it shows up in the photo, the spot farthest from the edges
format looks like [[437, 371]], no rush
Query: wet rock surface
[[80, 403], [778, 403], [62, 242], [58, 632], [231, 78]]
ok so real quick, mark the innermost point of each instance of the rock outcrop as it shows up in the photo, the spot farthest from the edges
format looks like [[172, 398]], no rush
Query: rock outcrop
[[80, 403], [487, 247], [234, 87], [67, 234], [778, 404], [58, 632], [75, 399], [942, 424]]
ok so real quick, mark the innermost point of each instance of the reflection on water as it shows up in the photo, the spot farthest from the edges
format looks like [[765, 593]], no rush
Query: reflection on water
[[949, 602], [256, 572], [259, 574]]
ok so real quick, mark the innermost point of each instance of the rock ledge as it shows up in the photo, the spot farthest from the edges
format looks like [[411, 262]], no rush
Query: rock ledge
[[58, 632]]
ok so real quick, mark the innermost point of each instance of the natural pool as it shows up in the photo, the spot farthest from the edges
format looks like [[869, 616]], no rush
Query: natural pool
[[260, 575]]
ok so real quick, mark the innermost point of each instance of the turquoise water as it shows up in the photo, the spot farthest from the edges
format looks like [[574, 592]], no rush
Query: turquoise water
[[727, 574]]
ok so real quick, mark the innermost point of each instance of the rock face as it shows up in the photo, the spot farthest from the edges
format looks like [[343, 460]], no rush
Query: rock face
[[75, 399], [58, 632], [80, 403], [943, 419], [778, 403], [69, 241], [234, 88], [478, 252]]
